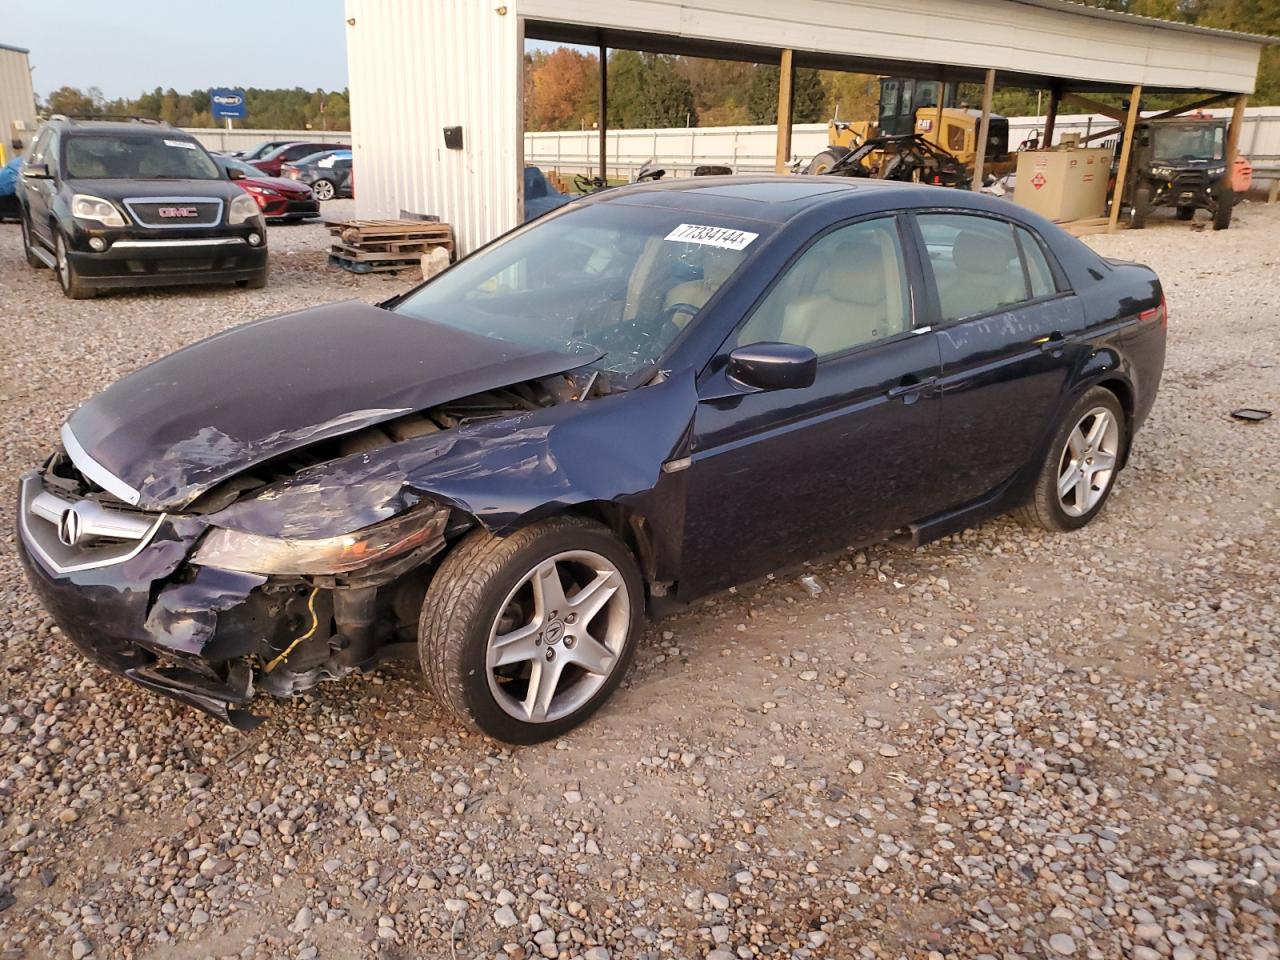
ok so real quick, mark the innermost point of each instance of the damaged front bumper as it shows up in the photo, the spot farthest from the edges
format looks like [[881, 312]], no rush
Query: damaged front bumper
[[120, 586]]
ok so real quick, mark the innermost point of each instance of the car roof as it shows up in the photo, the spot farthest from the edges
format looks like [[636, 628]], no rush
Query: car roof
[[778, 199], [92, 127]]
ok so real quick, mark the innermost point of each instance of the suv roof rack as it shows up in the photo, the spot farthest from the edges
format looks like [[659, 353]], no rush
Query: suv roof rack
[[110, 118]]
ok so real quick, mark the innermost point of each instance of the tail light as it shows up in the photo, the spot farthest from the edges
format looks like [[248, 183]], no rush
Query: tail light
[[1161, 312]]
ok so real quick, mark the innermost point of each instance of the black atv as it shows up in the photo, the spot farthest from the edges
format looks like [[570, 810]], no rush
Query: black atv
[[1181, 163]]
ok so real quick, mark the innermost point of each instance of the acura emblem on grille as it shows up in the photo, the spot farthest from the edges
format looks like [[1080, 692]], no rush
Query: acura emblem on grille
[[70, 526], [170, 212]]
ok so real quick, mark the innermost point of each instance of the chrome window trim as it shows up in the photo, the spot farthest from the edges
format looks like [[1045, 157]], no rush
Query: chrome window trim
[[33, 541], [95, 471], [194, 242], [184, 222]]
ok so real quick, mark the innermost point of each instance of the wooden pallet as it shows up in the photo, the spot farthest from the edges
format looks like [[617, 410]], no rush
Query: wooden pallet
[[373, 266]]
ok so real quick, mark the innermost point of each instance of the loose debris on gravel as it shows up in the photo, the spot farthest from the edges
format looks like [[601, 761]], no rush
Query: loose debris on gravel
[[1006, 744]]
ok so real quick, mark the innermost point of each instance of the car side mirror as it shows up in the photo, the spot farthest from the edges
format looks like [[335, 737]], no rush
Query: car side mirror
[[37, 171], [234, 174], [774, 366]]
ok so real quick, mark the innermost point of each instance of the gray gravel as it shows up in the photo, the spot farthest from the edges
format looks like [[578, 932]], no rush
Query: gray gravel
[[1003, 745]]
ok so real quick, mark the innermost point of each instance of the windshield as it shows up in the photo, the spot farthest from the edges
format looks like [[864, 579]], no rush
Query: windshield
[[1191, 141], [137, 157], [623, 279]]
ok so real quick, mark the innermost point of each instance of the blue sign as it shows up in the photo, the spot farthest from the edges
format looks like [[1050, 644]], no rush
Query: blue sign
[[227, 104]]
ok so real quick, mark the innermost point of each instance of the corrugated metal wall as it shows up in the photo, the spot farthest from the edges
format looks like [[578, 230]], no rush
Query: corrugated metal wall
[[17, 101], [414, 68]]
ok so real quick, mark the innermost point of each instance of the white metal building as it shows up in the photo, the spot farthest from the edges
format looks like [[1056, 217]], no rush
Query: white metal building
[[417, 67], [17, 102]]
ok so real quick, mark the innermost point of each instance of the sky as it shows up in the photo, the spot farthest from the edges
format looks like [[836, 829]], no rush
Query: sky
[[126, 47]]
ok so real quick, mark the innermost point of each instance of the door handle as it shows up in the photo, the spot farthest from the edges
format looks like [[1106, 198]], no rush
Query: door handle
[[1054, 342], [910, 387]]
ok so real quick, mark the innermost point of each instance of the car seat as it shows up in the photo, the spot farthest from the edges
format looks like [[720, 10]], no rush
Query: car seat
[[987, 275], [851, 307]]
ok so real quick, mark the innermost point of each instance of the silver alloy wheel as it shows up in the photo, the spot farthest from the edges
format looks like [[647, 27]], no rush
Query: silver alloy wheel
[[558, 637], [64, 271], [1088, 461], [323, 190]]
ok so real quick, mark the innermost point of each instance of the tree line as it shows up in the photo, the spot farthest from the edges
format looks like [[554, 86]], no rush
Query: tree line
[[295, 109]]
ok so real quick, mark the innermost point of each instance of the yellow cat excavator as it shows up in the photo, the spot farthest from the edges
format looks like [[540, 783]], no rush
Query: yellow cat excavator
[[909, 106]]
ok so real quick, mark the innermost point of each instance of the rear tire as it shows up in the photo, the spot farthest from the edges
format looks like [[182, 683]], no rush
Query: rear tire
[[69, 279], [500, 608], [1186, 213], [1222, 213], [27, 250], [1079, 472], [1139, 208], [323, 189]]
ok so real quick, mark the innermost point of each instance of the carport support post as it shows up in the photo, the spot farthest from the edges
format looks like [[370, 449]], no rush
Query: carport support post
[[603, 114], [1233, 138], [984, 131], [786, 74], [1051, 119], [1122, 171]]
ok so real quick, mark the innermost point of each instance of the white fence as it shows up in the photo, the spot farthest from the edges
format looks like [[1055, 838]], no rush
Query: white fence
[[222, 140], [751, 148]]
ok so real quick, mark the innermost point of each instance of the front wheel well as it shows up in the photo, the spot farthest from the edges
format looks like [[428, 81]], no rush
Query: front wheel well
[[629, 526]]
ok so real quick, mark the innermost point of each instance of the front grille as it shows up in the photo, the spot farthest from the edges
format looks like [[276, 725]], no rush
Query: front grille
[[72, 533], [175, 211]]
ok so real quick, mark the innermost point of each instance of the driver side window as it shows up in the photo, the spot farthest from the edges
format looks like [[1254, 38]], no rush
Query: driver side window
[[847, 290]]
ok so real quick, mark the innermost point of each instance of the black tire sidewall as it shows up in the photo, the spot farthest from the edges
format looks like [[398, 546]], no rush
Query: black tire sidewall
[[470, 673], [1046, 494]]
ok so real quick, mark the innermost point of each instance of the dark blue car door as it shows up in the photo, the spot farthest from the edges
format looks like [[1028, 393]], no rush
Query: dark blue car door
[[1009, 336], [781, 476]]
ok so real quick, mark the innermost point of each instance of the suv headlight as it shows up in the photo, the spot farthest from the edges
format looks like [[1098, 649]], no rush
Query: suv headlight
[[85, 207], [255, 553], [1216, 171], [243, 208]]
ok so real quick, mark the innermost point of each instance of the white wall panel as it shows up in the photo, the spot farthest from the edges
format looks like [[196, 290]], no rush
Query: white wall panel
[[416, 67]]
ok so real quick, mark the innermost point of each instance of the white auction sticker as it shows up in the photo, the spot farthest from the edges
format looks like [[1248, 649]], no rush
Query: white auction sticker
[[712, 236], [184, 144]]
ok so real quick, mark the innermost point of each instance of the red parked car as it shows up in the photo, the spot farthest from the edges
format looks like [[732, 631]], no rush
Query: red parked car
[[277, 198], [270, 163]]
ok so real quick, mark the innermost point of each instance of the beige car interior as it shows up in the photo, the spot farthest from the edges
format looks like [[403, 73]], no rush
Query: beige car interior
[[848, 289]]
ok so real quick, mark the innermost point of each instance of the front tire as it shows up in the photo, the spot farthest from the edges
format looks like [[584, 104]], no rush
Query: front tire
[[255, 282], [822, 162], [1079, 472], [1187, 212], [323, 189], [1222, 213], [524, 637], [69, 279]]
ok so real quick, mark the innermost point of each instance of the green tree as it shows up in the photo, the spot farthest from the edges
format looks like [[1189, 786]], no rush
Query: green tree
[[72, 101], [647, 90], [808, 96]]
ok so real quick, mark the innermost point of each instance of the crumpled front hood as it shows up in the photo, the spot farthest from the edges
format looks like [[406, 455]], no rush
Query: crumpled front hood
[[167, 433]]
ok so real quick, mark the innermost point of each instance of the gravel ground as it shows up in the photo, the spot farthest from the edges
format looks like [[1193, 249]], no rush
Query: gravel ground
[[1005, 744]]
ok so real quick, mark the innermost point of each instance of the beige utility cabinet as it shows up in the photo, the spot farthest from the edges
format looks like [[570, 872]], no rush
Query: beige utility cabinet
[[1064, 184]]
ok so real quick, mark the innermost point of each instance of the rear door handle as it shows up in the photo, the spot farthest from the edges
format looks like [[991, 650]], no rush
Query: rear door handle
[[910, 387]]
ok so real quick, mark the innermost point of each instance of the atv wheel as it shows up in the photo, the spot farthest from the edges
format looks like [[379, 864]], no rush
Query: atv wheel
[[1139, 207], [822, 162], [1186, 213], [1222, 213]]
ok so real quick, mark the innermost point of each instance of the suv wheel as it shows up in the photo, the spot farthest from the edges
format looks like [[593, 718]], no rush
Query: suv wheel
[[1080, 470], [323, 189], [27, 249], [72, 285], [524, 637]]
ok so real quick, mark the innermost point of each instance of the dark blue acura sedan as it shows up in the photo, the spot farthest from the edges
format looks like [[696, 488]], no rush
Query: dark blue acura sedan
[[641, 398]]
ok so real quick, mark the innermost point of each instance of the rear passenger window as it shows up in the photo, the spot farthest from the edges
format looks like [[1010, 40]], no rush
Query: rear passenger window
[[976, 265], [1038, 271]]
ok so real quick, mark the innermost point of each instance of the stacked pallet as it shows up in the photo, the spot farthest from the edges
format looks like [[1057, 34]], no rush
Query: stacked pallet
[[385, 246]]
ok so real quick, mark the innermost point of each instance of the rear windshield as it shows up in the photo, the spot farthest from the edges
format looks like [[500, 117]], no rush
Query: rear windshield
[[137, 157]]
